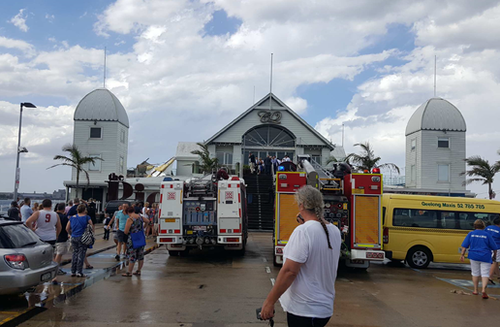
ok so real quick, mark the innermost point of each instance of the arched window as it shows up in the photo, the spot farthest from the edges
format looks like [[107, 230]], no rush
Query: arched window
[[269, 136]]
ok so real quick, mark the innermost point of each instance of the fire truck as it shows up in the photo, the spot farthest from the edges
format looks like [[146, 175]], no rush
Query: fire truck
[[203, 213], [352, 203]]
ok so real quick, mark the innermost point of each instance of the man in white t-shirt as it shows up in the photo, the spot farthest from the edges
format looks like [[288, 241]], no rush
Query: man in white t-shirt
[[306, 284], [45, 223]]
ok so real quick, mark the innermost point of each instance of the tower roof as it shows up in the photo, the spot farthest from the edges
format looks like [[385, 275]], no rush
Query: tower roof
[[436, 114], [101, 105]]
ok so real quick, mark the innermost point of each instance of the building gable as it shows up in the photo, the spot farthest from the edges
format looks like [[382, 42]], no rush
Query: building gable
[[281, 114]]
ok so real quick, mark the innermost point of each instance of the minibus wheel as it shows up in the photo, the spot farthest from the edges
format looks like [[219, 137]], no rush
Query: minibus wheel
[[419, 257]]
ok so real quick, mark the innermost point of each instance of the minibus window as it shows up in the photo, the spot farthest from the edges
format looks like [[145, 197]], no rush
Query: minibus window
[[448, 220], [416, 218], [383, 215]]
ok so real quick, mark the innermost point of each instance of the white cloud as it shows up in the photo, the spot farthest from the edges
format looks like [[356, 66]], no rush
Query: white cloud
[[27, 48], [19, 21], [176, 82]]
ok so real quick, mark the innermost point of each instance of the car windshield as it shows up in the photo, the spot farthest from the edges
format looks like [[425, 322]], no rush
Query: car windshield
[[17, 236]]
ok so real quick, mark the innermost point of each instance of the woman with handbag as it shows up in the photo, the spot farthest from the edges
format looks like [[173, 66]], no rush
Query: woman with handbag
[[81, 236], [136, 241]]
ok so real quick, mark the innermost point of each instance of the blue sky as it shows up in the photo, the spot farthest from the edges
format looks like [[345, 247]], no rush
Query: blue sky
[[194, 63]]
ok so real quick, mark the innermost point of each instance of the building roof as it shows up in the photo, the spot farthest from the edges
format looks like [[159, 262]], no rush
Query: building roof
[[101, 105], [436, 114], [277, 104]]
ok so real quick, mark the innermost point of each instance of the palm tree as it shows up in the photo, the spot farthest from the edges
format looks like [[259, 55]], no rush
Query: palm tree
[[207, 164], [75, 160], [367, 160], [481, 171]]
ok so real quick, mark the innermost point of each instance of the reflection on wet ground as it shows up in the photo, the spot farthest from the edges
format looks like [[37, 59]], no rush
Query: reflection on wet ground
[[216, 288], [16, 308]]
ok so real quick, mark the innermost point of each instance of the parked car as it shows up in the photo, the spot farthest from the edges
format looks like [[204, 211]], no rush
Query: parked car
[[25, 260], [112, 206]]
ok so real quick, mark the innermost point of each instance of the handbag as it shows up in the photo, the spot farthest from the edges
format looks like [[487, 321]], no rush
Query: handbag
[[88, 236], [138, 238]]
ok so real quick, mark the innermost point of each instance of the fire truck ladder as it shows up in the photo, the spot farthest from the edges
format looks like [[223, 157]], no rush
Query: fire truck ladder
[[328, 182]]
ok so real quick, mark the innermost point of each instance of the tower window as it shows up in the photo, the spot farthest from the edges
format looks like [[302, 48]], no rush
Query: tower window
[[122, 136], [96, 166], [413, 144], [122, 164], [444, 173], [95, 133], [443, 142]]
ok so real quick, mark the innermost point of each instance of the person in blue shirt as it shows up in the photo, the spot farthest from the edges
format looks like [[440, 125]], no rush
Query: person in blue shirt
[[480, 245], [494, 231], [76, 227], [121, 220]]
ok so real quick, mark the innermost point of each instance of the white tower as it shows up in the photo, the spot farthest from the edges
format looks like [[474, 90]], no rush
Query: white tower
[[435, 147], [101, 130]]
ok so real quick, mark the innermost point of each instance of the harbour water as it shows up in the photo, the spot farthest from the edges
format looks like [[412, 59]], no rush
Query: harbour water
[[4, 206]]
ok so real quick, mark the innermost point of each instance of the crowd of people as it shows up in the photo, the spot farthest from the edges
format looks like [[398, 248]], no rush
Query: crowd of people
[[65, 225], [268, 165]]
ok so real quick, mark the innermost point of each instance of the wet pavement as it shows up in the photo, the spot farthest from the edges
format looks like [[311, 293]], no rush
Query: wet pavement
[[221, 289], [17, 308]]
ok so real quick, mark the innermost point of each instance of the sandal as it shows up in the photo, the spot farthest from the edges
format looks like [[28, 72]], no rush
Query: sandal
[[89, 267], [137, 273], [485, 296], [127, 274], [475, 293], [491, 281]]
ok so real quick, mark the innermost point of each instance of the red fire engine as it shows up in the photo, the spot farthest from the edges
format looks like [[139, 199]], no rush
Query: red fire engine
[[352, 203]]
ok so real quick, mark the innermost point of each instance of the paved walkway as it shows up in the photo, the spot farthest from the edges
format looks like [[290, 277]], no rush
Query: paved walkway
[[15, 309]]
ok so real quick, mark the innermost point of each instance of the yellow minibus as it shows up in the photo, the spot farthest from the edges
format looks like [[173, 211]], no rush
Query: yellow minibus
[[422, 228]]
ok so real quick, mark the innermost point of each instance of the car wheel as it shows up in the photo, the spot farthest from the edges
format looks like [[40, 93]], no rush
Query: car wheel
[[419, 257]]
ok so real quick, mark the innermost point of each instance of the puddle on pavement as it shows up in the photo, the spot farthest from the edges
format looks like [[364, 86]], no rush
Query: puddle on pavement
[[48, 295]]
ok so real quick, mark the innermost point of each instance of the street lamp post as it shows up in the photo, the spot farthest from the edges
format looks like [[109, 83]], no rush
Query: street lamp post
[[18, 149]]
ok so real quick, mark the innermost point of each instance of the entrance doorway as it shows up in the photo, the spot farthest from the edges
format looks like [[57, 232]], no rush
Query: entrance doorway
[[267, 140]]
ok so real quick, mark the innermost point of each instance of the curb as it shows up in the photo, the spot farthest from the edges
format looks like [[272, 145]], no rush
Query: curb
[[67, 261], [33, 311]]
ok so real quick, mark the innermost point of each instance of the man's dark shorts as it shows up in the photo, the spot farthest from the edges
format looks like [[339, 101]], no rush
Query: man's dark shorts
[[122, 237]]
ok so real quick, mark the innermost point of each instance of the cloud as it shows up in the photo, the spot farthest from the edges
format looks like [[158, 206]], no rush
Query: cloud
[[50, 18], [177, 83], [19, 21], [123, 16], [25, 47]]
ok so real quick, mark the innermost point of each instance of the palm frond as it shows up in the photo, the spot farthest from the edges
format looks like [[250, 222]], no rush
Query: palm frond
[[390, 166], [62, 164]]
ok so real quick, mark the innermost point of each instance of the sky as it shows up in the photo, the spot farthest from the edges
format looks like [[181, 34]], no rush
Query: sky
[[183, 69]]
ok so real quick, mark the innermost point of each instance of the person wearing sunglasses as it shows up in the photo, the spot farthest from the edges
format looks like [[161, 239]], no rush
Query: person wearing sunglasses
[[305, 284]]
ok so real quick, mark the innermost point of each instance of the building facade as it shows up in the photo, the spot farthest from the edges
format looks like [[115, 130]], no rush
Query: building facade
[[269, 127], [435, 148]]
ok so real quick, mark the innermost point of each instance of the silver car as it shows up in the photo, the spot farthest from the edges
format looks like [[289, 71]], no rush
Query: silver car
[[25, 260]]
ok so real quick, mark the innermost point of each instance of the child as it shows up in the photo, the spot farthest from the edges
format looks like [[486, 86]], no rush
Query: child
[[106, 227]]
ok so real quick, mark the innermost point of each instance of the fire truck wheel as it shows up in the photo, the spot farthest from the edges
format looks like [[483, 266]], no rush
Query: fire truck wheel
[[173, 253], [241, 252], [419, 257]]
